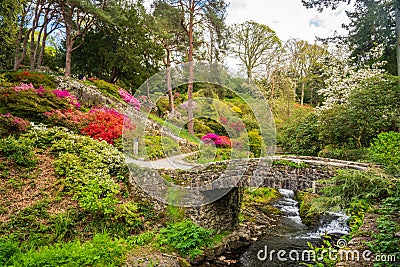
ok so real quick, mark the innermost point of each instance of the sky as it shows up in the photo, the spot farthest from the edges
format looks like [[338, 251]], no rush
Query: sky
[[288, 18]]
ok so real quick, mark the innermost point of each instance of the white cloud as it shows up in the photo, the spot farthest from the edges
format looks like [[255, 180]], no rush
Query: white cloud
[[289, 18]]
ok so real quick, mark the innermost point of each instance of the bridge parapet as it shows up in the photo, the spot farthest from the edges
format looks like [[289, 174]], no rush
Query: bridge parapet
[[227, 179]]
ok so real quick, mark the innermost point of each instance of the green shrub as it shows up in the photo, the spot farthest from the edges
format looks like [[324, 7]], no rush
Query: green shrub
[[101, 251], [385, 241], [37, 79], [141, 240], [129, 213], [19, 150], [215, 126], [7, 250], [46, 137], [385, 150], [344, 154], [350, 185], [289, 163], [158, 147], [255, 143], [87, 166], [186, 237], [98, 196], [201, 128], [30, 105], [300, 135], [107, 88]]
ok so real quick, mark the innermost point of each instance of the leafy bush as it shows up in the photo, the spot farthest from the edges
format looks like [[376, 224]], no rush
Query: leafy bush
[[255, 143], [289, 163], [107, 88], [98, 195], [385, 241], [101, 251], [385, 150], [46, 137], [186, 237], [300, 135], [87, 166], [20, 150], [30, 104], [130, 214], [37, 79], [371, 108], [344, 153], [7, 250], [350, 185], [158, 147], [10, 124]]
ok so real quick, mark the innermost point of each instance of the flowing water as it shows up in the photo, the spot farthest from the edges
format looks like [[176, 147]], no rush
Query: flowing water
[[290, 236]]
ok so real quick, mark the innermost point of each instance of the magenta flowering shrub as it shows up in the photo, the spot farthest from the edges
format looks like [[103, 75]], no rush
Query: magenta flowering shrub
[[10, 124], [62, 93], [40, 91], [219, 141], [66, 94], [128, 98]]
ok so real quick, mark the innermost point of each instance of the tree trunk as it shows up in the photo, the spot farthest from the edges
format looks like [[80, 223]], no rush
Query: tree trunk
[[35, 24], [35, 56], [68, 52], [17, 59], [42, 48], [249, 75], [169, 87], [191, 70], [302, 93], [397, 8]]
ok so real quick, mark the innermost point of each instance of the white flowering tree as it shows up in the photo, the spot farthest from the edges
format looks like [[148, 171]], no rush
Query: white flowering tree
[[343, 77]]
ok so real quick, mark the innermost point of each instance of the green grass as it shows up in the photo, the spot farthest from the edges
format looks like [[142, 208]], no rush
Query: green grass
[[175, 129]]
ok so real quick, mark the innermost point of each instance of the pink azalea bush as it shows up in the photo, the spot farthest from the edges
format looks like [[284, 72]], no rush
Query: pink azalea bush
[[24, 87], [128, 98]]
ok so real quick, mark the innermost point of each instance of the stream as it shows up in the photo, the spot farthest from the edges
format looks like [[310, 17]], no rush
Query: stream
[[291, 236]]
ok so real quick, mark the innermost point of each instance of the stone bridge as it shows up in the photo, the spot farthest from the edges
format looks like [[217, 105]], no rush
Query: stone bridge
[[229, 178]]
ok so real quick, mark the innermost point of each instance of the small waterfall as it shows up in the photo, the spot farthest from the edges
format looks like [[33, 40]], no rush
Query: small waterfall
[[291, 234]]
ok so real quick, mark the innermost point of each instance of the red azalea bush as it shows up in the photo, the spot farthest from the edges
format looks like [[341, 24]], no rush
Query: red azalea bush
[[105, 124], [99, 123], [10, 124], [219, 141]]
